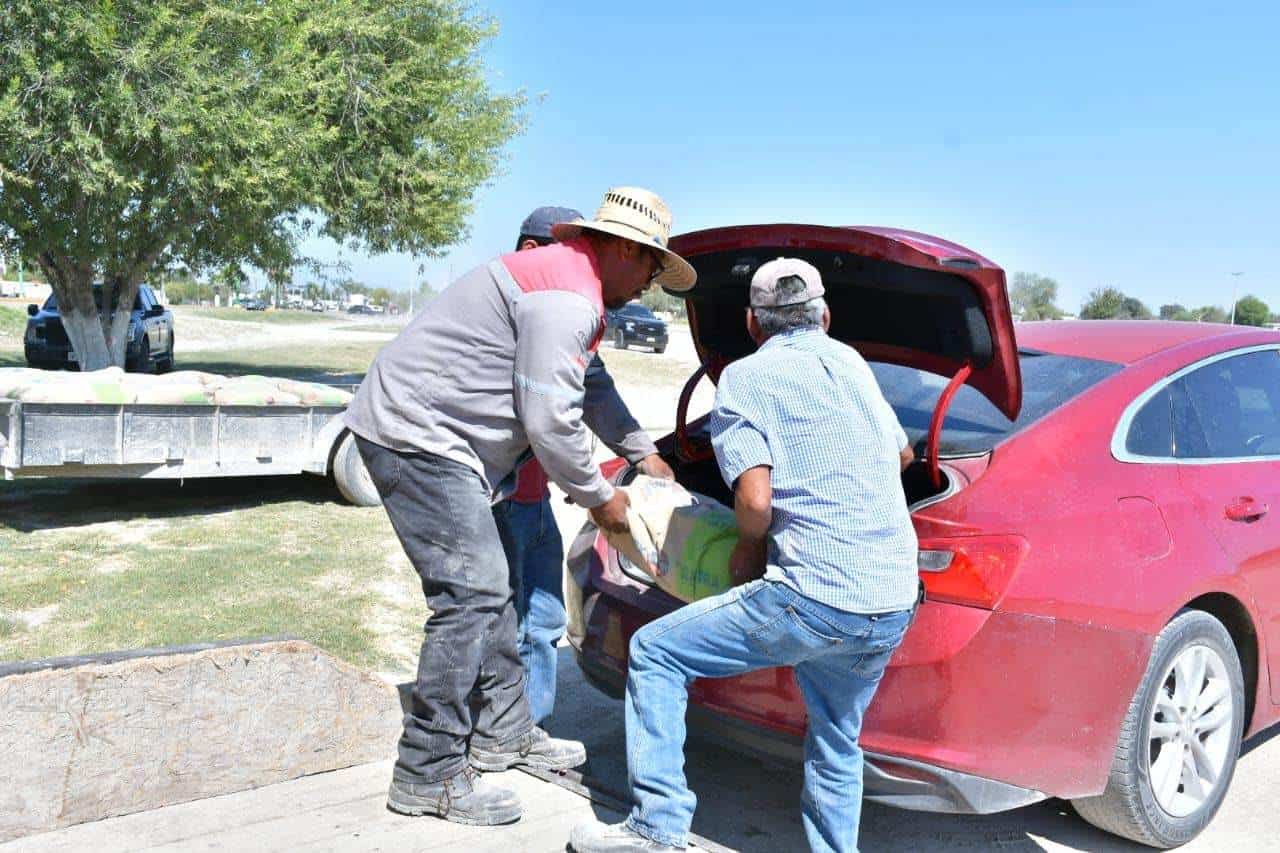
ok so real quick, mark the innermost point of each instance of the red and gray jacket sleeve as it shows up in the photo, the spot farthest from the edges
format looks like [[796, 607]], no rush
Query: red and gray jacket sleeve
[[610, 419], [555, 331]]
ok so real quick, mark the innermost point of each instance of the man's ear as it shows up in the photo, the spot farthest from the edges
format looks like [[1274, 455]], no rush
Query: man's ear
[[527, 244], [826, 319], [753, 326]]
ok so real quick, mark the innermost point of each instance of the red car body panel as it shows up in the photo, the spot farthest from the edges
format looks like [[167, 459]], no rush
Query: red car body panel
[[1032, 691]]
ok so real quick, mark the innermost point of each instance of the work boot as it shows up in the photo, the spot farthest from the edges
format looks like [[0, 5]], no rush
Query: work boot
[[462, 798], [597, 837], [535, 748]]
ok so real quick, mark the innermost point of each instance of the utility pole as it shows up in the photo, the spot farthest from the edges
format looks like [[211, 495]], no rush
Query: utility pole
[[1235, 286]]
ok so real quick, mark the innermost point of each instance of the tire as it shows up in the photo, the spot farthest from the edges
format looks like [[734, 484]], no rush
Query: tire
[[143, 363], [619, 339], [1172, 813], [660, 350], [351, 476], [166, 364]]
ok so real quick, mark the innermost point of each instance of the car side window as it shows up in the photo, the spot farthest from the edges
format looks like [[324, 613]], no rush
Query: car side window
[[140, 302], [1151, 431], [1230, 408]]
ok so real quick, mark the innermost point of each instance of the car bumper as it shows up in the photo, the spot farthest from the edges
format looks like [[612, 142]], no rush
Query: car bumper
[[886, 779], [978, 711], [641, 339]]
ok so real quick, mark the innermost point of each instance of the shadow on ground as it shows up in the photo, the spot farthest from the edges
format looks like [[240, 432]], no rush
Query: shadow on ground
[[47, 504]]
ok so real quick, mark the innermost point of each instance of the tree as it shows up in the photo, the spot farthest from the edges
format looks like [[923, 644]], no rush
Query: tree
[[1033, 297], [1252, 311], [380, 296], [1175, 312], [657, 299], [1108, 303], [134, 133], [1133, 308], [1210, 314]]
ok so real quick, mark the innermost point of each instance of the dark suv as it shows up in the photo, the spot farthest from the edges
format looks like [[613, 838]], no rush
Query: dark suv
[[635, 325], [150, 346]]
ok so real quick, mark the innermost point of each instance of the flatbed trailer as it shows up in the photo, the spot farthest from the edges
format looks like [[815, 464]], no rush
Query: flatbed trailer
[[178, 441]]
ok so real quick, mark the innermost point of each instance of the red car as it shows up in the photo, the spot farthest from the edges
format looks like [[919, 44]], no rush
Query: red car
[[1092, 502]]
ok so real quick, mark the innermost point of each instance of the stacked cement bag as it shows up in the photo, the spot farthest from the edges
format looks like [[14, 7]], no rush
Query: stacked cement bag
[[682, 538], [188, 387]]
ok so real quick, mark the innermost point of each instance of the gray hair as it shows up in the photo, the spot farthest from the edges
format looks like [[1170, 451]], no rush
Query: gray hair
[[805, 315]]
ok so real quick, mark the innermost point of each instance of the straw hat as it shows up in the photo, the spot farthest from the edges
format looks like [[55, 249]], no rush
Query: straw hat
[[639, 215]]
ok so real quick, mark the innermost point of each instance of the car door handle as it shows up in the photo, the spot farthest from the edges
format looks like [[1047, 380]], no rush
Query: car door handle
[[1246, 510]]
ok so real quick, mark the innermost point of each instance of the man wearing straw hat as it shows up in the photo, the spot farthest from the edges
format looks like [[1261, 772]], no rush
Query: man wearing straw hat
[[493, 368]]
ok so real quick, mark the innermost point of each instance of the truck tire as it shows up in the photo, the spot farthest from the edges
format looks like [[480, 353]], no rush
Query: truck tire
[[351, 476], [1191, 703]]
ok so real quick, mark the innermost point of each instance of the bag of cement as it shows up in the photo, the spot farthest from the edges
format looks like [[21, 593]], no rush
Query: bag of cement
[[248, 391], [314, 394], [682, 538], [14, 380], [192, 377], [174, 394], [97, 386]]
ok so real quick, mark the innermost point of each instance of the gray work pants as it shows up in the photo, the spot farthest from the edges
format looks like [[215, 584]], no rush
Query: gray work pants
[[440, 510]]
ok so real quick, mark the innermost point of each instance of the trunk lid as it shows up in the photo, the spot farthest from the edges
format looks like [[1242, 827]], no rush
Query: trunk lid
[[896, 296]]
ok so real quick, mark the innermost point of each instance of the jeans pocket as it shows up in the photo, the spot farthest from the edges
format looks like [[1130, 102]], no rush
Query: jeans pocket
[[871, 663], [382, 464], [792, 637]]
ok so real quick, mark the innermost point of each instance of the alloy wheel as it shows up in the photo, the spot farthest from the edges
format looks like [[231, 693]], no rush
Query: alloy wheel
[[1190, 726]]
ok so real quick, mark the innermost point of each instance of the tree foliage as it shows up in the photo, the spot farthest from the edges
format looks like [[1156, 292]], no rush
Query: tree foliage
[[1252, 311], [1175, 311], [135, 133], [1210, 314], [1108, 303], [1034, 297]]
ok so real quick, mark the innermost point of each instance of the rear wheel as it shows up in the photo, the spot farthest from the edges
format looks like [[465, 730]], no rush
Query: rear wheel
[[1179, 740], [619, 339], [143, 363], [352, 477], [166, 364]]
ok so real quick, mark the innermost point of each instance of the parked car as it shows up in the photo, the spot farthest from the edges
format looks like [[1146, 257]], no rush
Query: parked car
[[360, 309], [254, 305], [635, 325], [1092, 501], [151, 340]]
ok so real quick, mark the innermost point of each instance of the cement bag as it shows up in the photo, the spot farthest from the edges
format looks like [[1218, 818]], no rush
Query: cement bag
[[252, 391], [685, 539], [192, 377], [14, 380], [314, 394], [80, 389], [174, 394]]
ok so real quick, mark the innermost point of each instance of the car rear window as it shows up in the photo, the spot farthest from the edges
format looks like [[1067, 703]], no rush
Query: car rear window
[[973, 424]]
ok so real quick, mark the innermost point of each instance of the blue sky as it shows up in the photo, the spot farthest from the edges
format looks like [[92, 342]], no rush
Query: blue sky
[[1134, 145]]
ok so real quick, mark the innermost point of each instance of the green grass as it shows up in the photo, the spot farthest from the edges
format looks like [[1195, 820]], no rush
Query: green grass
[[337, 362], [13, 323], [240, 315], [95, 567]]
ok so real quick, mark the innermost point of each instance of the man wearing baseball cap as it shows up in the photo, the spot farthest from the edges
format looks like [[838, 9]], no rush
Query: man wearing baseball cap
[[826, 559], [527, 525], [494, 368]]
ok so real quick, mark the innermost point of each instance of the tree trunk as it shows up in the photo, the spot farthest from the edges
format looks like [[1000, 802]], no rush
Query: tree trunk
[[85, 332]]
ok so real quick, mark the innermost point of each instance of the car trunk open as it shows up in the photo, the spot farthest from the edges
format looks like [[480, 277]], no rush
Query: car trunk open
[[896, 296]]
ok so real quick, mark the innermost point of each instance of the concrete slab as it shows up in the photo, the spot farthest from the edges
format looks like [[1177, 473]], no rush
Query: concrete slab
[[342, 810]]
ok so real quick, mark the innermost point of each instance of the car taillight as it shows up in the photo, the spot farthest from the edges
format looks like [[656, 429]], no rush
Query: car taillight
[[611, 468], [972, 570]]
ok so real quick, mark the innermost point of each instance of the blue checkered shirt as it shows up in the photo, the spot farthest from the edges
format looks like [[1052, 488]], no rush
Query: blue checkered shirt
[[809, 407]]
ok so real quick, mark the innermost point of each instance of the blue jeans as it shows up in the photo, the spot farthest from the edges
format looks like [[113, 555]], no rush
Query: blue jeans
[[536, 554], [838, 657]]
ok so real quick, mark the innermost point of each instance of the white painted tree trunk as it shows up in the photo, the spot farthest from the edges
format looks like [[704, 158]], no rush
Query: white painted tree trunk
[[87, 339]]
